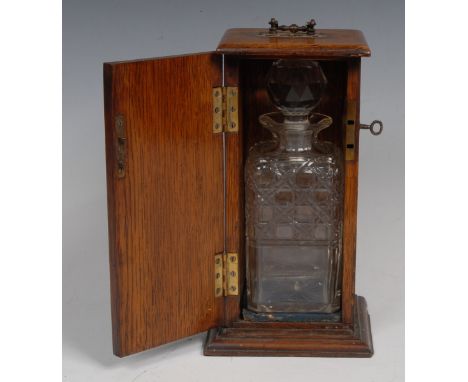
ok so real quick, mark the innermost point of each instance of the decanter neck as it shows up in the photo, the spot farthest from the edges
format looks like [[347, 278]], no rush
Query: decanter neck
[[296, 140], [295, 133]]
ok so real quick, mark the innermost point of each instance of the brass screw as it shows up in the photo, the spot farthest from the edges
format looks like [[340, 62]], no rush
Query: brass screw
[[233, 288], [218, 275], [233, 125], [217, 93], [216, 109], [233, 273], [218, 261], [233, 259]]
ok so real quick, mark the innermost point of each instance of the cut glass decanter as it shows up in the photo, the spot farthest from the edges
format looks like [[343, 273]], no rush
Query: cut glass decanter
[[294, 200]]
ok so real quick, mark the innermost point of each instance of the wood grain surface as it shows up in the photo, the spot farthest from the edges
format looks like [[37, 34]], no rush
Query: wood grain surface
[[168, 216], [351, 196], [338, 340], [329, 43], [234, 196], [166, 213]]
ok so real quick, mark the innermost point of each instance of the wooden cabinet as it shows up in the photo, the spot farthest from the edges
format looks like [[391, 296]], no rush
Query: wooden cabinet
[[175, 160]]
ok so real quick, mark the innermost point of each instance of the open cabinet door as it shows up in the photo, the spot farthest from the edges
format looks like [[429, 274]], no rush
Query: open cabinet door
[[165, 198]]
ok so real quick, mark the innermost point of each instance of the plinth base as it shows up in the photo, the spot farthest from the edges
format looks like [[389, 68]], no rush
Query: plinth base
[[318, 339]]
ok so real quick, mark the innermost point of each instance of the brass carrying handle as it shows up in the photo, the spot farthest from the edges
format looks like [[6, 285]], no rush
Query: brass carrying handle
[[372, 128], [309, 28]]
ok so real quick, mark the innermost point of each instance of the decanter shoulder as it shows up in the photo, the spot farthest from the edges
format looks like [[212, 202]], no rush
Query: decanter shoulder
[[260, 166], [325, 151], [262, 151]]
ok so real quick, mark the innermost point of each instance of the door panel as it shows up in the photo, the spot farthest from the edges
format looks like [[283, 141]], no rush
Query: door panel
[[166, 202]]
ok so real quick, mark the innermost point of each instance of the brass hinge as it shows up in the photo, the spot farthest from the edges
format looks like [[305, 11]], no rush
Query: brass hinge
[[225, 109], [226, 274]]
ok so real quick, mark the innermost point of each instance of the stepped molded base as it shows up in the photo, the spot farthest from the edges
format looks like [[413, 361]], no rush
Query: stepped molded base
[[301, 339]]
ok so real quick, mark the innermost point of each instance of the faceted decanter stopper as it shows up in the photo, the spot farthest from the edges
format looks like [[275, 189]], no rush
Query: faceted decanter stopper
[[296, 86]]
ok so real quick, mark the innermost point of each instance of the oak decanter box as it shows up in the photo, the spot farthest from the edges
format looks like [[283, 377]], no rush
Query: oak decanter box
[[232, 182]]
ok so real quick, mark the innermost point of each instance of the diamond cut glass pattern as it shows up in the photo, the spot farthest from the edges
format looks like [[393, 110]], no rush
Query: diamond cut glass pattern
[[294, 201], [295, 86]]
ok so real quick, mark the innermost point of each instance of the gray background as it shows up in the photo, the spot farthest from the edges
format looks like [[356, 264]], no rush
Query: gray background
[[99, 31]]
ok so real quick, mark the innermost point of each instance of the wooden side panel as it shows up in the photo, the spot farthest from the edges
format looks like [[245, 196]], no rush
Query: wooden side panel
[[234, 196], [351, 196], [166, 213]]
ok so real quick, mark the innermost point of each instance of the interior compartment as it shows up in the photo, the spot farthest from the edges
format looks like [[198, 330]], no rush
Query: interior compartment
[[254, 101]]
